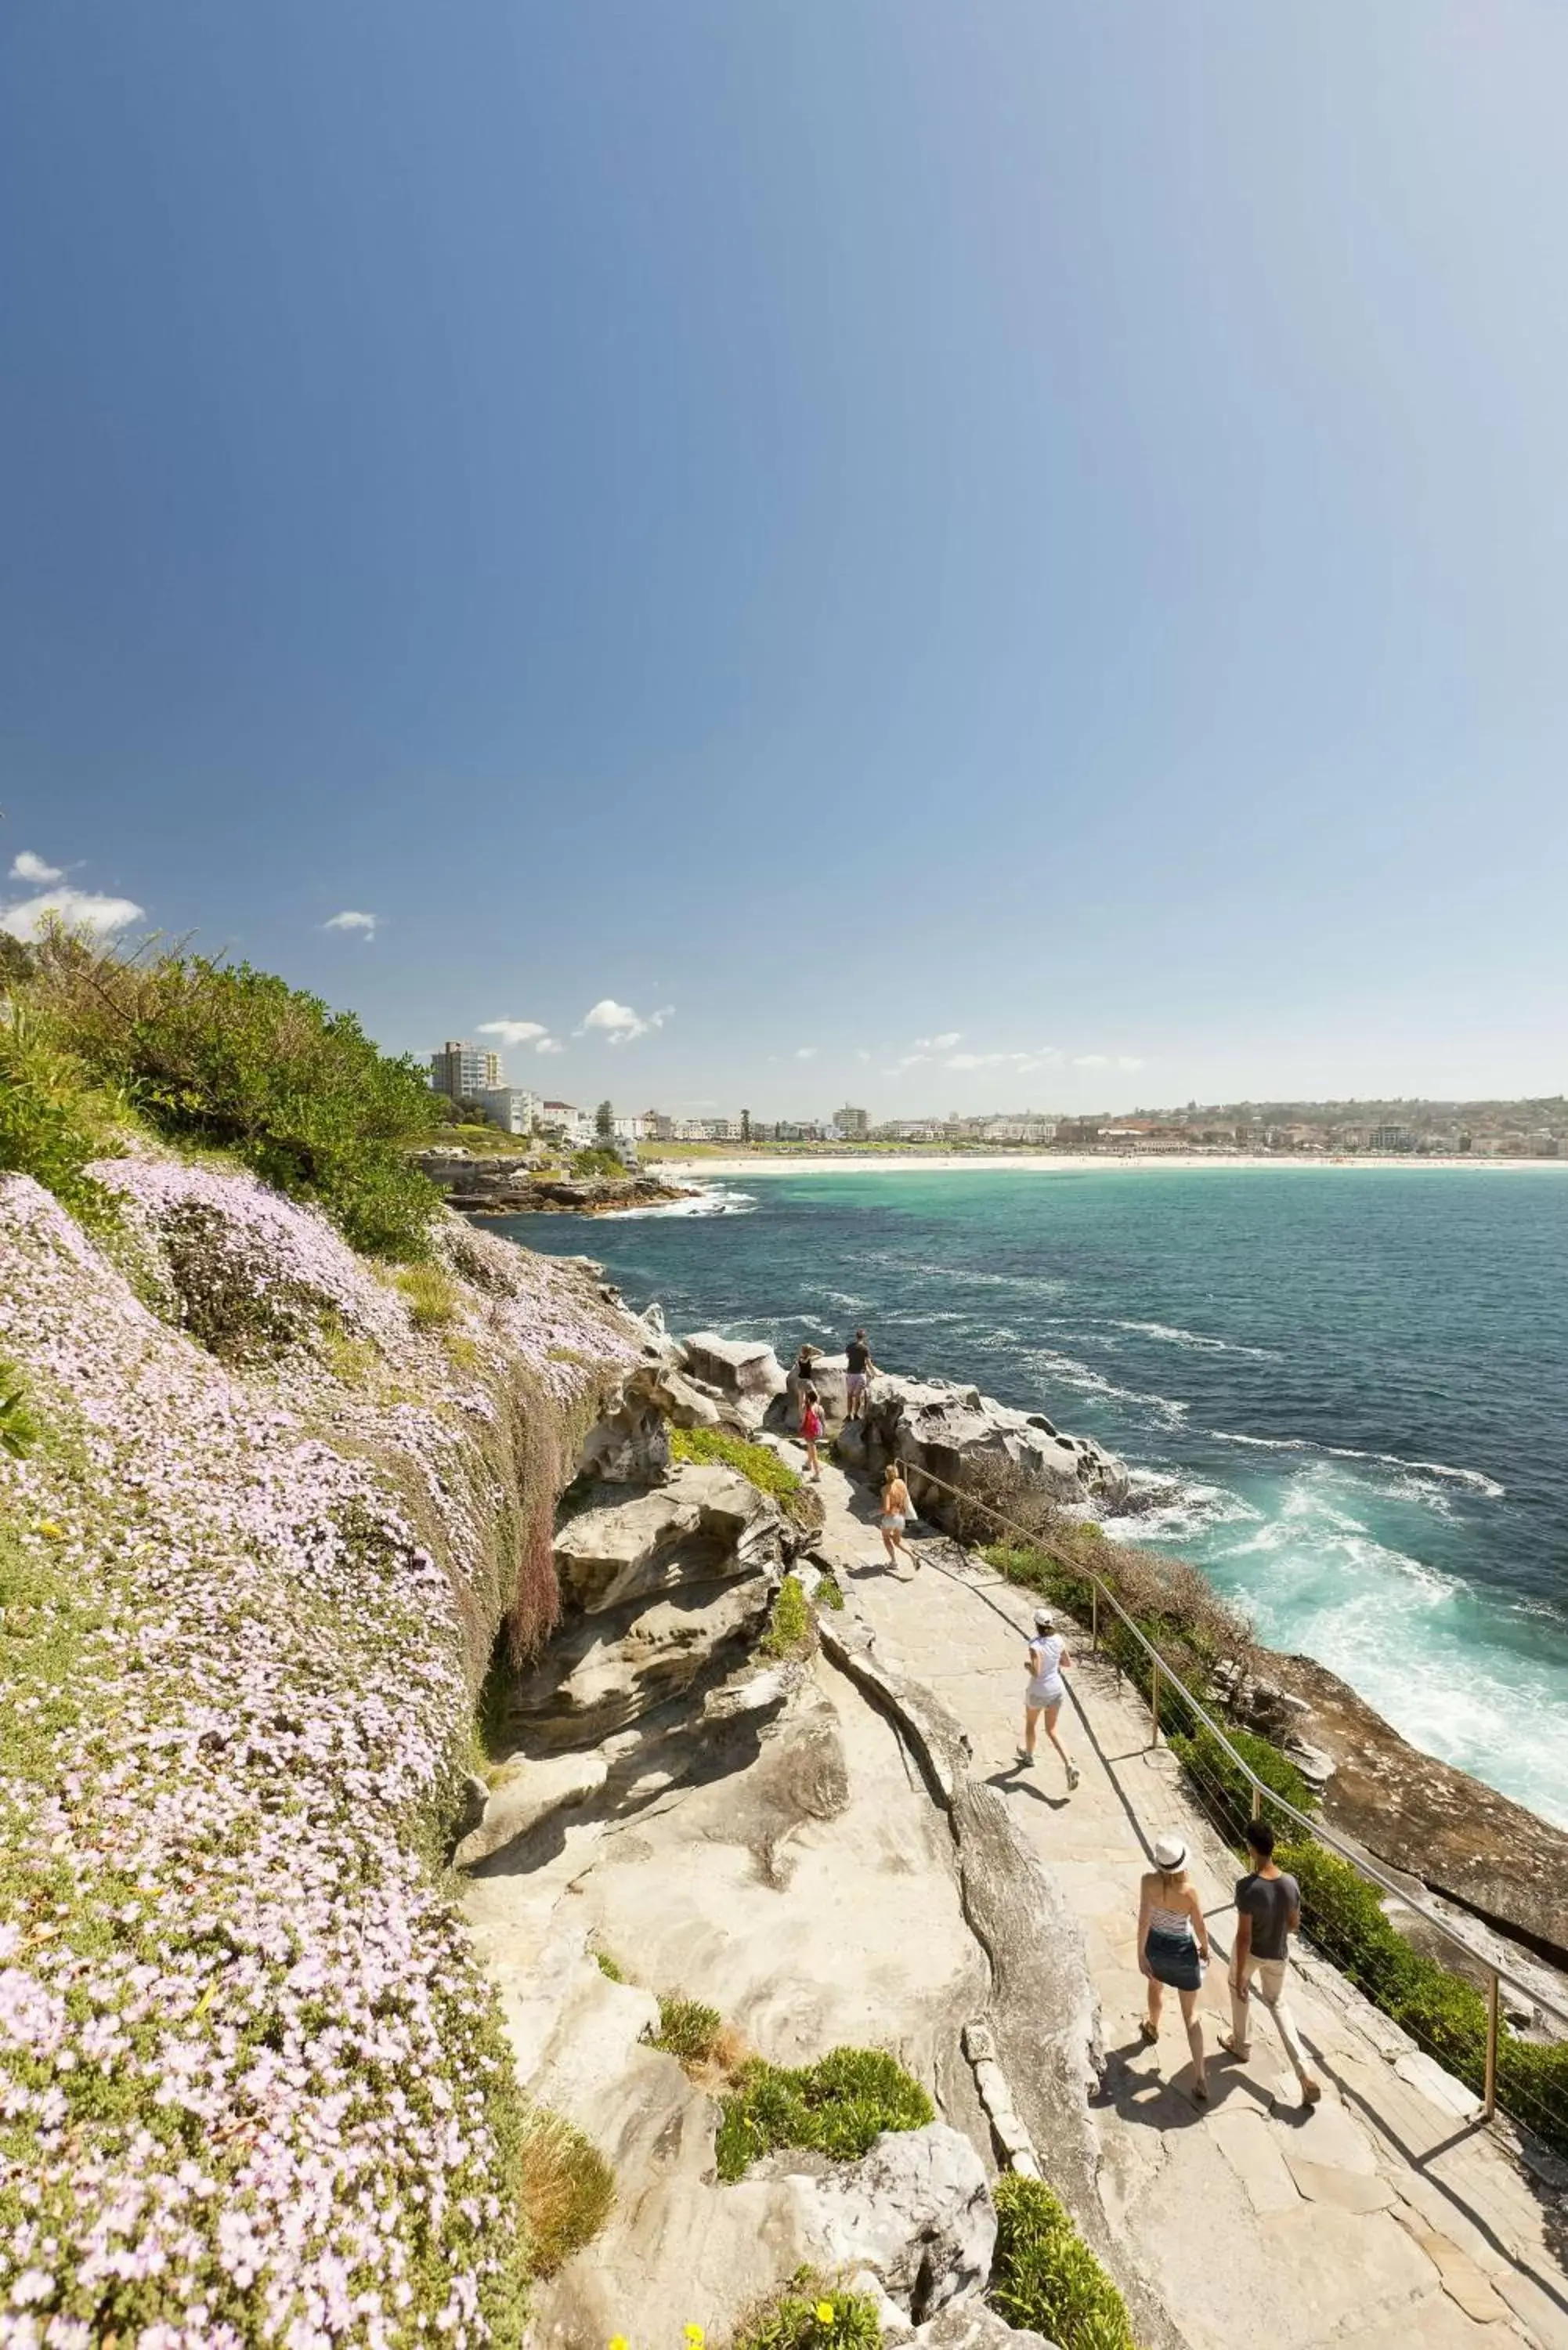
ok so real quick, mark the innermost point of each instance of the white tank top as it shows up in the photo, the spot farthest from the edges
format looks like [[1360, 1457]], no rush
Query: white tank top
[[1045, 1656]]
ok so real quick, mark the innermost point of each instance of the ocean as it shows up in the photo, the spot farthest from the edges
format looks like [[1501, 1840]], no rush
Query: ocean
[[1343, 1392]]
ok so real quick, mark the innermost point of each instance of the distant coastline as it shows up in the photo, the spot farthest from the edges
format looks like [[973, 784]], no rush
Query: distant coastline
[[729, 1169]]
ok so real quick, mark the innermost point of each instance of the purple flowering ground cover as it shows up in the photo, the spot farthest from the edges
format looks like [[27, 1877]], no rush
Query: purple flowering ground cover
[[253, 2085]]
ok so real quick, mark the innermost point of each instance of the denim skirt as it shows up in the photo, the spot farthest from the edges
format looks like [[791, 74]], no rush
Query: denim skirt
[[1173, 1960]]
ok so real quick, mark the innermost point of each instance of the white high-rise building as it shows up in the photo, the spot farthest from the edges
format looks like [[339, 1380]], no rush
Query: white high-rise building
[[464, 1072]]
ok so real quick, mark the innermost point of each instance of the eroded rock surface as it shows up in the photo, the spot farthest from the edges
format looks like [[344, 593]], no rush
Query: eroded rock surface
[[917, 2212], [707, 1524], [938, 1426], [743, 1370]]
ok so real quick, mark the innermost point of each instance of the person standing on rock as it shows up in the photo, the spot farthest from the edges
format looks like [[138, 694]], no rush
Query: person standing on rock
[[1045, 1659], [894, 1514], [857, 1355], [1173, 1948], [1268, 1912], [812, 1427]]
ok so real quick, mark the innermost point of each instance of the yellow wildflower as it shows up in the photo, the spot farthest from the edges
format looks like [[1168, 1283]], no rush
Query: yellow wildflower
[[695, 2336], [49, 1530], [618, 2342], [825, 2312]]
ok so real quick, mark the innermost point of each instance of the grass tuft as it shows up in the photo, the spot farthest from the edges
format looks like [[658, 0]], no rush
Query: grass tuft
[[688, 2030], [20, 1429], [789, 1630], [810, 2313], [607, 1966], [837, 2106], [1045, 2277], [430, 1296], [566, 2190]]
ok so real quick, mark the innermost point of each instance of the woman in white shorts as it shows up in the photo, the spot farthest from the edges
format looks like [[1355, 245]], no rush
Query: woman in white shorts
[[1045, 1658]]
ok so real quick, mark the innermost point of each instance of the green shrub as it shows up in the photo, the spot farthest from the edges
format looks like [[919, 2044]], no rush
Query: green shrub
[[566, 2190], [47, 1126], [19, 1430], [1344, 1916], [1225, 1792], [829, 1595], [809, 2313], [218, 1054], [790, 1622], [837, 2106], [1045, 2277], [688, 2030], [755, 1463], [586, 1164]]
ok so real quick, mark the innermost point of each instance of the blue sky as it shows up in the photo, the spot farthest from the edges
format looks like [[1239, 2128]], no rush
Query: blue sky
[[1019, 552]]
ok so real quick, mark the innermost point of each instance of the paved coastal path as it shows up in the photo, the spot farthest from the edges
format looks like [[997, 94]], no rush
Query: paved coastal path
[[1385, 2217]]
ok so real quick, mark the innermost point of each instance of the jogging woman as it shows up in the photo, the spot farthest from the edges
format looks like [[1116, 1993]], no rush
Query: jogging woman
[[1044, 1661]]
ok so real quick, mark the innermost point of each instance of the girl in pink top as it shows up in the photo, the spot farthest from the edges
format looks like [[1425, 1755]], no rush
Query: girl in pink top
[[812, 1426]]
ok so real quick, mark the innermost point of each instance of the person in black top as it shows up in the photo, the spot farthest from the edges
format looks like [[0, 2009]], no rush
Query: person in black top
[[857, 1355], [1268, 1912]]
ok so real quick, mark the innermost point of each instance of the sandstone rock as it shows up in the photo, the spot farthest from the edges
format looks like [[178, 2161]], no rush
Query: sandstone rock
[[707, 1524], [967, 2324], [609, 1669], [1460, 1838], [529, 1793], [938, 1426], [916, 2212], [744, 1370]]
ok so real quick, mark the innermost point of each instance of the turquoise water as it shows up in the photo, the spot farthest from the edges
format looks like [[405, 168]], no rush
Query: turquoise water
[[1344, 1392]]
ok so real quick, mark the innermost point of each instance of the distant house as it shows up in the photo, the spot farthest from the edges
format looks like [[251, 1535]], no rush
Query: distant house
[[564, 1118], [852, 1124], [515, 1109]]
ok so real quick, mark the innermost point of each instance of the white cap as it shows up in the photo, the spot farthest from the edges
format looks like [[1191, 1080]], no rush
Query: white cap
[[1170, 1855], [1044, 1619]]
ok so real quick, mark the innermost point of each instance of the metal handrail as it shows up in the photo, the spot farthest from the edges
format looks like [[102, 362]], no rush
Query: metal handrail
[[1260, 1789]]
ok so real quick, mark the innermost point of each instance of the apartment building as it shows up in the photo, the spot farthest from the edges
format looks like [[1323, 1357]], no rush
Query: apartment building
[[463, 1072]]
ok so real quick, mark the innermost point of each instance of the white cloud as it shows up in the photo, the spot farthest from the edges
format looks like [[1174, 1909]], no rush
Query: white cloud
[[619, 1024], [943, 1044], [805, 1052], [81, 910], [864, 1058], [522, 1032], [349, 920], [26, 867]]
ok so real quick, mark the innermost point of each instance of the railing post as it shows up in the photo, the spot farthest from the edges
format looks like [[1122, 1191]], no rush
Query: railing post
[[1153, 1706], [1493, 2004], [1095, 1618], [1257, 1801]]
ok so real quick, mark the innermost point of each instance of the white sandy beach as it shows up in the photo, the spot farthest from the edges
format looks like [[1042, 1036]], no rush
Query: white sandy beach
[[731, 1170]]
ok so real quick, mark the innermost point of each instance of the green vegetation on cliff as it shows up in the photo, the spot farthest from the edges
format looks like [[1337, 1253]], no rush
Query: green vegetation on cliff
[[214, 1055], [1045, 2277], [836, 2106], [756, 1463]]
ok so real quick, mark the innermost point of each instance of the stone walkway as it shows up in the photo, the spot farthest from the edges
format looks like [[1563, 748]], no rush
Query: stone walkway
[[1386, 2216]]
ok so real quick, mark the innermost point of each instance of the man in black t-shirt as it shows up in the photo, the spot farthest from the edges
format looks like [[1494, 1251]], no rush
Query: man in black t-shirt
[[857, 1355], [1268, 1912]]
